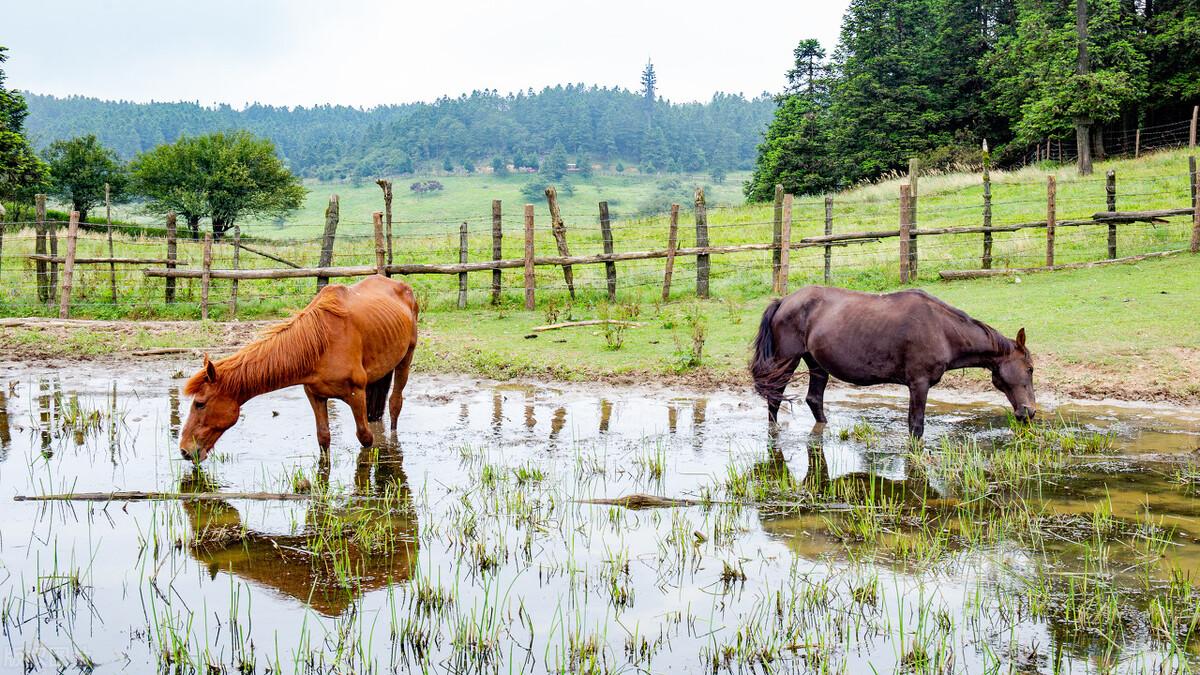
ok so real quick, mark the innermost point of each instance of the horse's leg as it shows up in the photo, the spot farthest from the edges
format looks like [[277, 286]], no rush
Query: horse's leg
[[918, 392], [401, 380], [774, 402], [357, 400], [377, 392], [818, 377], [320, 407]]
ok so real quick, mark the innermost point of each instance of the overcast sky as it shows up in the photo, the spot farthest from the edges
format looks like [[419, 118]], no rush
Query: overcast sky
[[368, 52]]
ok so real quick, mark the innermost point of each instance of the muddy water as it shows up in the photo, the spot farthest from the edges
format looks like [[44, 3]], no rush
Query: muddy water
[[464, 542]]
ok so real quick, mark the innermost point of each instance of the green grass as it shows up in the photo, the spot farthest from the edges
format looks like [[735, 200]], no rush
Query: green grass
[[1092, 330]]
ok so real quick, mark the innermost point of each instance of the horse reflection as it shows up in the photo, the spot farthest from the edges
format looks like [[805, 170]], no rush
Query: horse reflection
[[325, 565]]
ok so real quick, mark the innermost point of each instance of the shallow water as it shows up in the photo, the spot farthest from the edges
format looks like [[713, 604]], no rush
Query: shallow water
[[463, 542]]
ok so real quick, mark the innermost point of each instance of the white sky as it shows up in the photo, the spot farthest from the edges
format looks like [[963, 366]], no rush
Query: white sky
[[367, 52]]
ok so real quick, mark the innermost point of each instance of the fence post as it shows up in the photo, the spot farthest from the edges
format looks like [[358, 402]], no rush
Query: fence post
[[914, 172], [529, 257], [785, 247], [233, 283], [776, 231], [39, 247], [64, 303], [672, 246], [1192, 131], [1051, 196], [1110, 189], [52, 239], [497, 252], [462, 259], [905, 230], [1137, 144], [1195, 213], [112, 267], [387, 213], [702, 259], [828, 247], [986, 262], [332, 216], [380, 251], [610, 267], [172, 255], [1192, 178], [206, 276], [559, 229], [3, 214]]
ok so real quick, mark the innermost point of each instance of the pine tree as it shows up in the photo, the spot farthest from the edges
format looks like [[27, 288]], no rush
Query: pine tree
[[649, 89]]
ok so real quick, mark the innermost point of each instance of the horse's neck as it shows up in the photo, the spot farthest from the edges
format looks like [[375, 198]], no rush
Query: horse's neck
[[976, 346], [266, 366]]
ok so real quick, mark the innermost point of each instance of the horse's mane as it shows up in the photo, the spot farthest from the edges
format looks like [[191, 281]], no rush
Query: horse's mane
[[280, 355], [998, 342]]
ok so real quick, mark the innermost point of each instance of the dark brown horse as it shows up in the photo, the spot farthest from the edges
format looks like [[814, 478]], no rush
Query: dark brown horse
[[346, 344], [908, 337]]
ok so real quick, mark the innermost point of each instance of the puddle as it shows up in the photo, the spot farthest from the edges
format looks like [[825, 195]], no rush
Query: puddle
[[461, 543]]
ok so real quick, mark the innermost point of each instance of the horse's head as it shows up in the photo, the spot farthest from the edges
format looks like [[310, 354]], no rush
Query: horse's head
[[213, 411], [1013, 375]]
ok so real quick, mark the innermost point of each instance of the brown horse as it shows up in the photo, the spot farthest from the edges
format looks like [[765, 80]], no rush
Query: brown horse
[[346, 344], [908, 338]]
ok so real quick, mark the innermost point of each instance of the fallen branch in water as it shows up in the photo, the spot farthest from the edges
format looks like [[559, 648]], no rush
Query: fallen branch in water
[[178, 350], [643, 501], [138, 496], [589, 322]]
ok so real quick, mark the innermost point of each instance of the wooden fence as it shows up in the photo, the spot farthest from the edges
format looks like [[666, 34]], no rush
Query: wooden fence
[[170, 267]]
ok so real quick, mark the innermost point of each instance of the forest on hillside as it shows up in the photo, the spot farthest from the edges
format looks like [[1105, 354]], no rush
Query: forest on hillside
[[933, 79], [483, 128]]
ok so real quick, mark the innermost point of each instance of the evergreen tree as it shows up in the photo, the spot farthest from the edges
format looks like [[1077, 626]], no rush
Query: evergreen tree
[[21, 172], [555, 166], [649, 90]]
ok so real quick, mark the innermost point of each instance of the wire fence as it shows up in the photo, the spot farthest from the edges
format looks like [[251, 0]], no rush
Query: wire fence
[[731, 252]]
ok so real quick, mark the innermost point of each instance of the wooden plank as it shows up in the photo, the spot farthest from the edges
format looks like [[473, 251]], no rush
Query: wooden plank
[[268, 256], [497, 246], [610, 268], [1051, 208], [672, 245], [559, 229], [332, 216], [1105, 217], [529, 277], [905, 239], [579, 324], [462, 259], [68, 276], [172, 255], [104, 261], [702, 260], [1110, 193], [380, 251], [786, 248], [828, 248], [956, 275], [206, 276]]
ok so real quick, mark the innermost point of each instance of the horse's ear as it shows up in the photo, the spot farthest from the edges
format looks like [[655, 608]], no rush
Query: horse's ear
[[1021, 337], [210, 371]]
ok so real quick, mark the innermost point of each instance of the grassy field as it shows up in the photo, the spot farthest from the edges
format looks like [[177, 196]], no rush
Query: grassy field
[[1129, 323]]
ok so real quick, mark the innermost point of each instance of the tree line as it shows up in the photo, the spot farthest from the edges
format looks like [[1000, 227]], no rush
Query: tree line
[[483, 128], [933, 79]]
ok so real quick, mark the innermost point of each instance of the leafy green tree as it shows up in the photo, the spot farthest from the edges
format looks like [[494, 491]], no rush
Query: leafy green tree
[[173, 177], [79, 169], [499, 167], [246, 178], [1171, 45]]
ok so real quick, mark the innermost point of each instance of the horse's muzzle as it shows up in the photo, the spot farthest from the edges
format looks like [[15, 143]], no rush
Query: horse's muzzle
[[1026, 413]]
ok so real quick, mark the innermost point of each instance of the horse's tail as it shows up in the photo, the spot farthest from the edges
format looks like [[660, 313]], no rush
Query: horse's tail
[[771, 373]]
